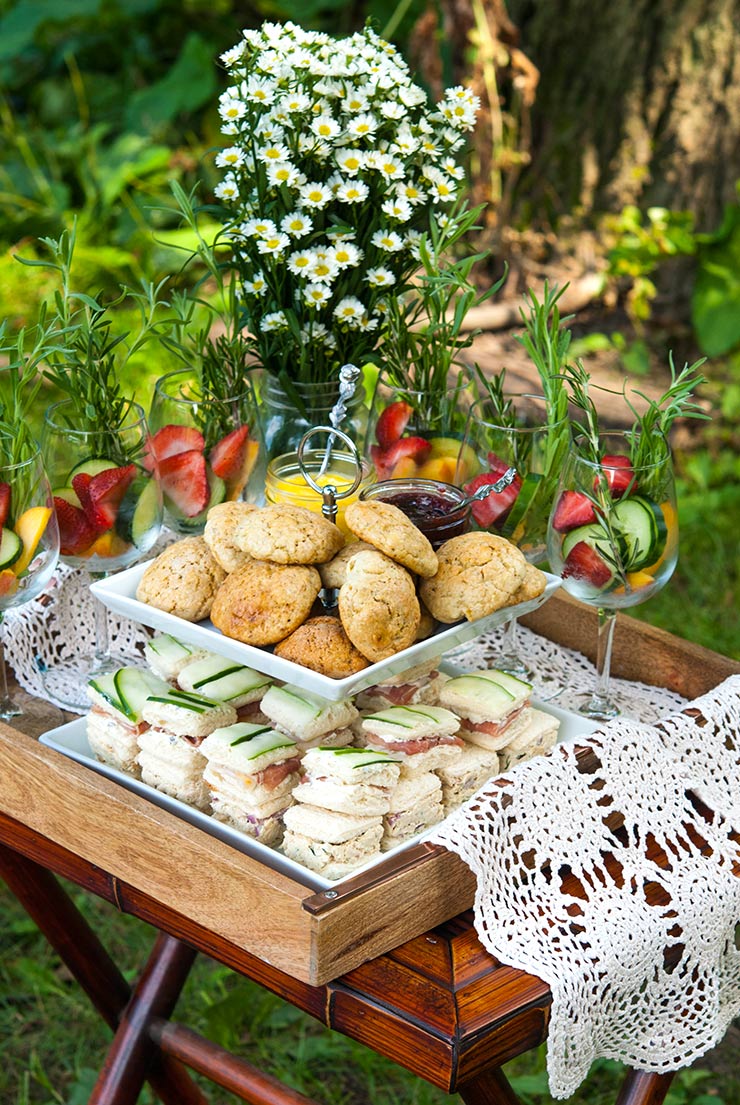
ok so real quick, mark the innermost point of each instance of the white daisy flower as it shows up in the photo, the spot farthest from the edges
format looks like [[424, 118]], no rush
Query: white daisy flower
[[380, 278], [324, 126], [346, 255], [413, 238], [354, 101], [387, 240], [296, 225], [230, 57], [459, 115], [411, 95], [451, 168], [390, 167], [314, 195], [256, 286], [275, 320], [350, 161], [390, 109], [258, 228], [324, 268], [411, 193], [301, 262], [363, 125], [442, 190], [295, 102], [232, 110], [282, 172], [349, 309], [366, 323], [260, 91], [227, 189], [353, 191], [271, 154], [230, 158], [341, 234], [275, 244], [316, 295], [398, 209]]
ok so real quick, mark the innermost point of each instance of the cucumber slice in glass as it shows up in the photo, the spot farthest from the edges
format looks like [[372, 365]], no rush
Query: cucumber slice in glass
[[11, 548]]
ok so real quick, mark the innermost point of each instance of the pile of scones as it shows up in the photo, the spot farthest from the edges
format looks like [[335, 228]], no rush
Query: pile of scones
[[257, 572]]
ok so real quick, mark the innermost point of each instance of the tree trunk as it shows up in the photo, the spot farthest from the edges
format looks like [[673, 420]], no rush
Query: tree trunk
[[638, 102]]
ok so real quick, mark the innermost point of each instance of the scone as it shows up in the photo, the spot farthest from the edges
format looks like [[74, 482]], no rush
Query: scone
[[322, 645], [223, 524], [261, 603], [378, 606], [388, 529], [183, 580], [531, 587], [478, 574], [287, 534], [334, 572]]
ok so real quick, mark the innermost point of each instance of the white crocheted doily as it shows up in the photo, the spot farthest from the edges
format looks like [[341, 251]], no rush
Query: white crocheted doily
[[653, 983]]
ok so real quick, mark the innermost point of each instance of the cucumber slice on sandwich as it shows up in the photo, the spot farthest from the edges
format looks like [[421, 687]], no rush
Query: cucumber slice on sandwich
[[295, 709], [492, 697], [134, 686], [517, 687]]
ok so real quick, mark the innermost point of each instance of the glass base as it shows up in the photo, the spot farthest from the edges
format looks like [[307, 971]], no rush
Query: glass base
[[599, 709], [9, 709], [65, 685], [544, 687]]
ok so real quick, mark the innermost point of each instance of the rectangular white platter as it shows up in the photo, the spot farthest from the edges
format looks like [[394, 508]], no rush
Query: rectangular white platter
[[71, 741], [118, 592]]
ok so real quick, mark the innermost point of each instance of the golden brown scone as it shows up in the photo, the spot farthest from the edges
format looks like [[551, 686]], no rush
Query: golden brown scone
[[388, 529], [261, 603], [183, 580], [478, 574], [223, 523], [322, 645], [532, 585], [378, 606], [334, 572], [287, 534], [427, 624]]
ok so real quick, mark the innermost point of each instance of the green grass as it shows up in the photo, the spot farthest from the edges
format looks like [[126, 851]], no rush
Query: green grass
[[52, 1043]]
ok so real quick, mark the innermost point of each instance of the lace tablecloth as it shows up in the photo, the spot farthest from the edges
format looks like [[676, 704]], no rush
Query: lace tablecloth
[[640, 955]]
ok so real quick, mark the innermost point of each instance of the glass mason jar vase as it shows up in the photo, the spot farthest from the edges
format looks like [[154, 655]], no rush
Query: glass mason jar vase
[[286, 417]]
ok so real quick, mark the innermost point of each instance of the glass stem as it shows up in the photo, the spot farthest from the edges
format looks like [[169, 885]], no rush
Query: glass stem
[[8, 708], [509, 660], [102, 639], [600, 703]]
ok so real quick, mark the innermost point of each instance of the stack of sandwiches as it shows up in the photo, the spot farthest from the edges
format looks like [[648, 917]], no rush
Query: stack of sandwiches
[[115, 720], [309, 719], [226, 681], [337, 822], [465, 775], [250, 772], [169, 750], [422, 736], [415, 686]]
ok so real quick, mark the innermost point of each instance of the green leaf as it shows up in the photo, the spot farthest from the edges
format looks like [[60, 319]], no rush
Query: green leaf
[[189, 84], [716, 298], [18, 28]]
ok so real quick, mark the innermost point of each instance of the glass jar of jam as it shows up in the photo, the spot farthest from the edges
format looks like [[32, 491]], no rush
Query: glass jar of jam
[[434, 507]]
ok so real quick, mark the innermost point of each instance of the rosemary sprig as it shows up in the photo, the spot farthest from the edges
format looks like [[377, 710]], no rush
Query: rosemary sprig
[[651, 428], [21, 381]]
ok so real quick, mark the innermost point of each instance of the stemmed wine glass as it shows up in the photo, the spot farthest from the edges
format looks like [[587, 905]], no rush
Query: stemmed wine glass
[[613, 537], [108, 502], [206, 447], [522, 438], [29, 546]]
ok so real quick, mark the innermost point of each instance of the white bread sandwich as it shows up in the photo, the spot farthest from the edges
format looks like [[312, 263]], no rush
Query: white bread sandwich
[[115, 719], [423, 736], [309, 719], [539, 737], [416, 804], [226, 681], [331, 844], [461, 779], [250, 772], [167, 656], [416, 686], [348, 780], [169, 755], [493, 707]]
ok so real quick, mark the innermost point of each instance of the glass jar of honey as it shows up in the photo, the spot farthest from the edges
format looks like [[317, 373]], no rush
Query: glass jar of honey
[[284, 482]]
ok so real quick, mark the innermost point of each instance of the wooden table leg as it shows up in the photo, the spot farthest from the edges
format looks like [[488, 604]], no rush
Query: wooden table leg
[[490, 1088], [643, 1088], [69, 934]]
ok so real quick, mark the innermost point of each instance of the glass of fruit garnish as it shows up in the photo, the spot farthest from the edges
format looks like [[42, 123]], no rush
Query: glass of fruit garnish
[[419, 434], [29, 546], [108, 503], [519, 436], [206, 446], [613, 535]]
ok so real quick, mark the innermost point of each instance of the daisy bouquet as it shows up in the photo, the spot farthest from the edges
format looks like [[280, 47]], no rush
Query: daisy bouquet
[[336, 168]]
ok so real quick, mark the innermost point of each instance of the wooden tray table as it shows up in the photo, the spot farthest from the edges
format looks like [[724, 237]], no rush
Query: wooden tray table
[[366, 958]]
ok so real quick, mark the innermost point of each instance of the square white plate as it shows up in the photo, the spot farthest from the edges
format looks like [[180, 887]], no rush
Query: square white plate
[[71, 740], [118, 592]]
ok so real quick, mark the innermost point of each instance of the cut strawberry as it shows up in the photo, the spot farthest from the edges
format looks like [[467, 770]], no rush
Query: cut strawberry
[[81, 485], [185, 482], [170, 441], [574, 509], [228, 455], [583, 562], [104, 494], [617, 471], [415, 449], [497, 465], [76, 531], [492, 510], [4, 503], [392, 422]]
